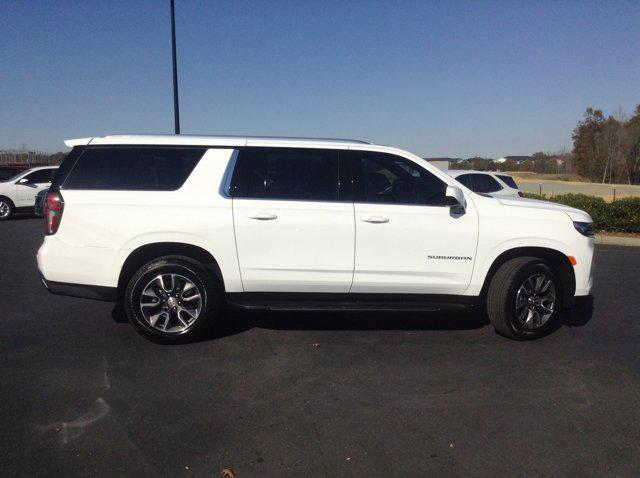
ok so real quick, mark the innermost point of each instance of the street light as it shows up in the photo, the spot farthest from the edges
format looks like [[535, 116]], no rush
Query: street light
[[176, 108]]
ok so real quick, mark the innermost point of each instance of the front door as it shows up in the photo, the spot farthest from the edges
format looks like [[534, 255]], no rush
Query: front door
[[30, 185], [407, 239], [293, 231]]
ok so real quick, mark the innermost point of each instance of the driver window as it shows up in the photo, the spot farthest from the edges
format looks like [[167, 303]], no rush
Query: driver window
[[39, 177], [390, 179]]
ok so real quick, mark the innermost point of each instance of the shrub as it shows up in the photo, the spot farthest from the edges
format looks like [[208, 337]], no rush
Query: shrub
[[622, 215]]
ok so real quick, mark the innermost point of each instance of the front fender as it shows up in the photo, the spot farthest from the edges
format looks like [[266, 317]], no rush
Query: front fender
[[486, 259]]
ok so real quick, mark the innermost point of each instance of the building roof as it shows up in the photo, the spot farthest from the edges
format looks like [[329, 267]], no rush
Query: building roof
[[213, 140], [517, 159]]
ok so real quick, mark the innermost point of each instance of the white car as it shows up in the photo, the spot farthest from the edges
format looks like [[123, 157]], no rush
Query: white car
[[487, 182], [18, 194], [175, 227]]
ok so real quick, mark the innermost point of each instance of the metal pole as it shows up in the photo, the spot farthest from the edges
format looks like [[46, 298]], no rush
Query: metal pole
[[176, 108]]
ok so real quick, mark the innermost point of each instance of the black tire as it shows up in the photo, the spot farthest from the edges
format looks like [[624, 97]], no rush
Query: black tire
[[210, 294], [6, 209], [502, 293]]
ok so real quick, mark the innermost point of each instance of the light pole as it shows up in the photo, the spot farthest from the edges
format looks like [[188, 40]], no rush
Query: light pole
[[176, 108]]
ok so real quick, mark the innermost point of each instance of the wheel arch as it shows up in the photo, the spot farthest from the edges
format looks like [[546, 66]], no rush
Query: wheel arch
[[8, 199], [556, 259], [147, 252]]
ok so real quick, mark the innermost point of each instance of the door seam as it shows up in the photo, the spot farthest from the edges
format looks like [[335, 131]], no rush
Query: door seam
[[355, 240]]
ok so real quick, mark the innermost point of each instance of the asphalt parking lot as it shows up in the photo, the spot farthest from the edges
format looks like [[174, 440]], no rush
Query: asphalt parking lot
[[311, 395]]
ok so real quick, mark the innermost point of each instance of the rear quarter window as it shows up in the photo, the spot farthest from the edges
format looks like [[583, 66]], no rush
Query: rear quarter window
[[508, 180], [63, 170], [133, 168]]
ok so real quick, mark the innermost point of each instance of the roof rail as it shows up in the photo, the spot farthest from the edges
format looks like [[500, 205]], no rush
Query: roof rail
[[249, 137]]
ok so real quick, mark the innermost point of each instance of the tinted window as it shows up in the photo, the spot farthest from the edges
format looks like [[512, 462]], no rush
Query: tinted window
[[67, 164], [40, 176], [133, 168], [508, 180], [483, 183], [286, 173], [466, 180], [389, 179]]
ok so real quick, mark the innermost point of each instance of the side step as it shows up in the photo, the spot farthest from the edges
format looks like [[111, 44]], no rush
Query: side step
[[341, 302]]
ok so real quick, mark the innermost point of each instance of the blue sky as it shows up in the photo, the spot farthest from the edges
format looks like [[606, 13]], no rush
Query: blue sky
[[437, 78]]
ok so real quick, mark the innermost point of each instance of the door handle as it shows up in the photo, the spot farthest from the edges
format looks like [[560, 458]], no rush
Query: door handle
[[375, 219], [263, 216]]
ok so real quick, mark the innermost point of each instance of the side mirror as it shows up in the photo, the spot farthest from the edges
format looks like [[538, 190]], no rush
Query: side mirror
[[23, 181], [455, 198]]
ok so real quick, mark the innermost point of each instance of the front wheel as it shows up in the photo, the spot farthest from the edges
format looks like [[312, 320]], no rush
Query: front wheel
[[6, 209], [523, 298], [172, 299]]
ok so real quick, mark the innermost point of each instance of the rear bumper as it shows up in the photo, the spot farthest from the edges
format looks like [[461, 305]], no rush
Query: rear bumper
[[96, 292]]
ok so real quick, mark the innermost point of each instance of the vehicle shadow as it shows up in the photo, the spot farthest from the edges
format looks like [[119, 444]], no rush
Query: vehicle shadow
[[581, 314], [360, 320], [20, 216], [235, 321]]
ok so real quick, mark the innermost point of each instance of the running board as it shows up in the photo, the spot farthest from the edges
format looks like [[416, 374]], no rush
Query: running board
[[338, 302]]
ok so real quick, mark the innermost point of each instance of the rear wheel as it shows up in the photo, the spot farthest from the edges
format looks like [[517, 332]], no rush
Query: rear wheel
[[524, 298], [172, 299], [6, 209]]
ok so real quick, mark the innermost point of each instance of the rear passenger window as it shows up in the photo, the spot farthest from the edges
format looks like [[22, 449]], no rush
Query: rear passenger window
[[286, 173], [133, 168], [483, 183]]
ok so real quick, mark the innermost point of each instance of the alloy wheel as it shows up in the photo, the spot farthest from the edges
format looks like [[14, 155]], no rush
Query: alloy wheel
[[5, 210], [171, 303], [535, 301]]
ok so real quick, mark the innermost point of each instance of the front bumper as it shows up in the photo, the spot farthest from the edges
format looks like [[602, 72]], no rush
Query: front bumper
[[584, 270]]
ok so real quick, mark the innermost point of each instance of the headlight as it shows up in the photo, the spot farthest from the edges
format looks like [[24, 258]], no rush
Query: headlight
[[584, 228]]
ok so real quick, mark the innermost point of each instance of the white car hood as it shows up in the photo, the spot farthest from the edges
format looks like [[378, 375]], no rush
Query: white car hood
[[573, 213]]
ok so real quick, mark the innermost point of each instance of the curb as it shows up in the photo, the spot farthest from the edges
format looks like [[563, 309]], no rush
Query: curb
[[617, 240]]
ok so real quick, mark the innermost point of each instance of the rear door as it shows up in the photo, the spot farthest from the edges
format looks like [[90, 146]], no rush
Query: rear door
[[31, 184], [294, 228], [407, 239]]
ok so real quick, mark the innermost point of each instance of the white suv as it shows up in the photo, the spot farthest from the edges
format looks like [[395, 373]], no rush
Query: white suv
[[18, 194], [176, 227]]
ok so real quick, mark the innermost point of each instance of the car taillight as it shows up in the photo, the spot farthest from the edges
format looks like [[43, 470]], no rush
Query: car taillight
[[521, 194], [53, 207]]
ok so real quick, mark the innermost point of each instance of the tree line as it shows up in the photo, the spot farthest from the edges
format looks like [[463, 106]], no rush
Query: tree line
[[607, 149]]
